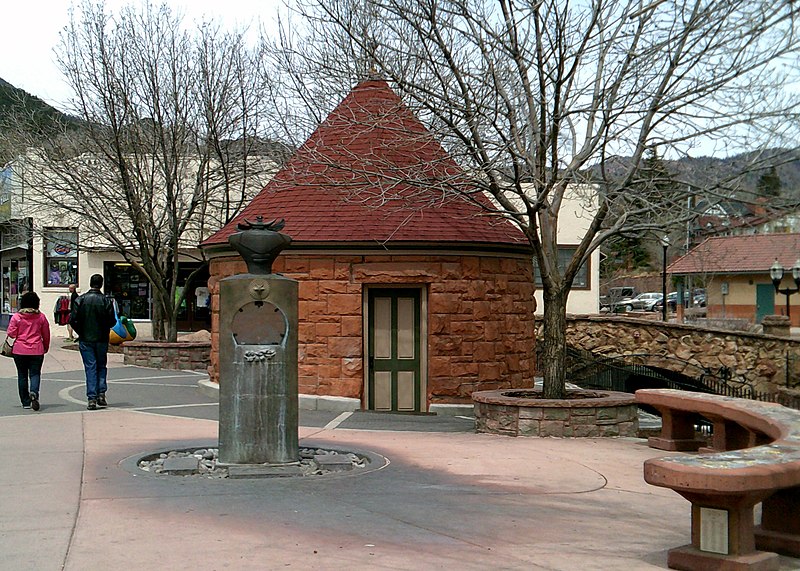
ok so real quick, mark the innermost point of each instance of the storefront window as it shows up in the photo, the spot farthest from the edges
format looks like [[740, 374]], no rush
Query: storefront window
[[194, 312], [61, 257], [15, 268], [129, 288], [15, 283]]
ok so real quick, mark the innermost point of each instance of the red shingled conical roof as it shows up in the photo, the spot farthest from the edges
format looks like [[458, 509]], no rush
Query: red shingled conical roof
[[372, 173]]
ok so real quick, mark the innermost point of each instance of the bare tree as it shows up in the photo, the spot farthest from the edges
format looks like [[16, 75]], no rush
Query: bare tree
[[537, 99], [169, 148]]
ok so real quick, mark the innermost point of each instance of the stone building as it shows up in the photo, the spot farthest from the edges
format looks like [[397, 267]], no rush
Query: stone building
[[411, 295]]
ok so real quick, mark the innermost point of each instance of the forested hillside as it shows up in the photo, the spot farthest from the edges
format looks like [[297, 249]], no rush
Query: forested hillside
[[20, 109]]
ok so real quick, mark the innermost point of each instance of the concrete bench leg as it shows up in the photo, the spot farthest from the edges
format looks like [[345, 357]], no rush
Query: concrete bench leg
[[729, 436], [722, 536], [780, 523], [677, 432]]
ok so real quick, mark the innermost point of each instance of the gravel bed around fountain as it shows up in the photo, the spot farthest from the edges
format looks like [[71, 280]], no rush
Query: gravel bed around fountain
[[203, 462]]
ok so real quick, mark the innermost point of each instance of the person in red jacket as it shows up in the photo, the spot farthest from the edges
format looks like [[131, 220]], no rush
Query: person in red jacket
[[31, 333]]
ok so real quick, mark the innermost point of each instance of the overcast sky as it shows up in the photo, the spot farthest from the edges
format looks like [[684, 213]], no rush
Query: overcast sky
[[31, 30]]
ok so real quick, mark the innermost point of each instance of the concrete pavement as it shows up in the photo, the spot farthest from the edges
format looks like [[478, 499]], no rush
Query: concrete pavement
[[448, 499]]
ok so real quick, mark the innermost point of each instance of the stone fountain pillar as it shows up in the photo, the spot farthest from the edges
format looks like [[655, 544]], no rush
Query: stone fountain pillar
[[258, 354]]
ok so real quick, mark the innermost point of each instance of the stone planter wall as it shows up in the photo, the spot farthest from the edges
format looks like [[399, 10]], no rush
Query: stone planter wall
[[194, 356], [600, 414]]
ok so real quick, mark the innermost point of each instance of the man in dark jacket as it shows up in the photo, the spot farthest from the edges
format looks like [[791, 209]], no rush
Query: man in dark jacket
[[92, 318]]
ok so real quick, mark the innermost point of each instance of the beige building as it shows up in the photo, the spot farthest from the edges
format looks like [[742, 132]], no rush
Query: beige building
[[47, 247], [577, 211]]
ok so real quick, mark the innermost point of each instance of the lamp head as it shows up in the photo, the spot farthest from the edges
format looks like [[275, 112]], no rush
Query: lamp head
[[776, 273], [796, 272]]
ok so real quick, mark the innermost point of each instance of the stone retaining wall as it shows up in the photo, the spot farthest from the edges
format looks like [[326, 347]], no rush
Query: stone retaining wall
[[193, 356], [600, 414], [754, 359]]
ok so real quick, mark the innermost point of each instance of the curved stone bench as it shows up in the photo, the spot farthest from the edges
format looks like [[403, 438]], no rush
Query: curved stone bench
[[754, 456]]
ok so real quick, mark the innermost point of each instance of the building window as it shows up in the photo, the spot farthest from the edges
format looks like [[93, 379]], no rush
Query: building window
[[565, 254], [15, 283], [130, 288], [60, 257]]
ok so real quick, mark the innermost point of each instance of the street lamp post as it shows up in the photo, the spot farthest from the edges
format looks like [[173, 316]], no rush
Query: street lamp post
[[665, 245], [776, 273]]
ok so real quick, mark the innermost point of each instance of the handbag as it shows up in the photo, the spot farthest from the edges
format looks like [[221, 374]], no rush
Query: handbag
[[123, 330], [8, 347]]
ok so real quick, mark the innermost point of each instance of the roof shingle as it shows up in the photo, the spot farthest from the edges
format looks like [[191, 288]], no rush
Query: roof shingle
[[372, 173]]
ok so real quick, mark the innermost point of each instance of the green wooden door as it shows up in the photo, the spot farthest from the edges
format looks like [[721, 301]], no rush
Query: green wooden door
[[394, 350], [765, 301]]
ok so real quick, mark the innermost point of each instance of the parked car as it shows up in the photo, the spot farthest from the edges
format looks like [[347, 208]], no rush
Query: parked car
[[699, 297], [615, 296], [672, 302], [645, 301], [699, 300]]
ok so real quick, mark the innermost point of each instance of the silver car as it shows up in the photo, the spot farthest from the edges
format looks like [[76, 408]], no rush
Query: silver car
[[645, 301]]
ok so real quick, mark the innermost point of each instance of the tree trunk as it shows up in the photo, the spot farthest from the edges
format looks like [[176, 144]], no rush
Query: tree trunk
[[165, 304], [554, 344], [165, 327], [157, 319], [172, 326]]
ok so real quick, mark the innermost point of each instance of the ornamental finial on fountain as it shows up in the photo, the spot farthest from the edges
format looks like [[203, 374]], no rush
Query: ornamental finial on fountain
[[259, 243]]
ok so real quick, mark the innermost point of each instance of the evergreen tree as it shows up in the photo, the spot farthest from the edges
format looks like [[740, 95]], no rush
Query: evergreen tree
[[769, 183], [653, 178], [625, 254]]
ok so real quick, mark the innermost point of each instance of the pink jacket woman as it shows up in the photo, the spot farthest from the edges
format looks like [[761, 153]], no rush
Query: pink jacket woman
[[31, 333]]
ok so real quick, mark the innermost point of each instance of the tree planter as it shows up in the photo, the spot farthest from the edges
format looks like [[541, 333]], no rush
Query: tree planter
[[583, 414], [182, 355]]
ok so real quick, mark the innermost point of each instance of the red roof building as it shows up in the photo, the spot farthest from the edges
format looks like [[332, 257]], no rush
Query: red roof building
[[393, 252], [751, 254], [736, 271]]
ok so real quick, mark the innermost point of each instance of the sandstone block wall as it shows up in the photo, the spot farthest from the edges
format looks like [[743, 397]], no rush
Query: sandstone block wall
[[162, 355], [480, 313], [558, 420]]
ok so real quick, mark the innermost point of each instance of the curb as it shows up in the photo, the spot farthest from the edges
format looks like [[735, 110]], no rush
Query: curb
[[341, 404], [305, 402]]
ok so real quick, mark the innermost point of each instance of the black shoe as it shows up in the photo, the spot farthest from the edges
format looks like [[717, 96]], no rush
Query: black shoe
[[26, 406], [101, 400], [34, 401], [92, 405]]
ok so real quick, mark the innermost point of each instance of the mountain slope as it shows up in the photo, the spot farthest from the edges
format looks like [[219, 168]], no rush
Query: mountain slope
[[17, 105], [735, 172]]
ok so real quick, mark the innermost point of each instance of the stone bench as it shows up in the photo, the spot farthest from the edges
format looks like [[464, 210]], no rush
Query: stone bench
[[753, 456]]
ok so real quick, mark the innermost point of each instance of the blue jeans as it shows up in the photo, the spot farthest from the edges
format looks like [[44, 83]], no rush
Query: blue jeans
[[28, 366], [95, 357]]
